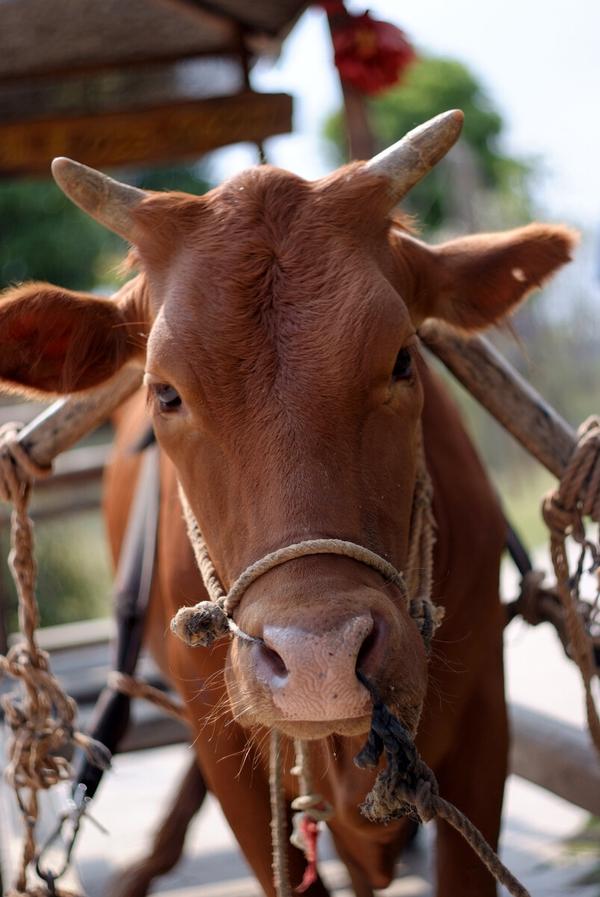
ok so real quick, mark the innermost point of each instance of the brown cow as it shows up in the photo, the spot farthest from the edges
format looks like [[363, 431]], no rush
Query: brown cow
[[277, 323]]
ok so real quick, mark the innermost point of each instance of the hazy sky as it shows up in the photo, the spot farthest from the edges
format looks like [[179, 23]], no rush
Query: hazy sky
[[539, 60]]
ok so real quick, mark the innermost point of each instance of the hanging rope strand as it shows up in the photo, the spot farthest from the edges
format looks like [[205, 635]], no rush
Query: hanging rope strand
[[41, 716], [279, 830], [564, 509]]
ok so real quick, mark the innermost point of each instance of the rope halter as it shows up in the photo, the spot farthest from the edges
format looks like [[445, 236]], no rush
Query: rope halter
[[203, 623], [208, 620]]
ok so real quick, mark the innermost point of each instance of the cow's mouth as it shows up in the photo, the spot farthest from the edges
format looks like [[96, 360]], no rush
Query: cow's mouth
[[310, 730]]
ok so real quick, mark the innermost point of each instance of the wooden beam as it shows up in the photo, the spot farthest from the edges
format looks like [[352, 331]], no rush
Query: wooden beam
[[556, 756], [359, 134], [65, 422], [143, 60], [495, 383], [183, 130], [38, 38]]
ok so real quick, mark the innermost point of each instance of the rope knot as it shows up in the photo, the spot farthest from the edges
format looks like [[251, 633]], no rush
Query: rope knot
[[564, 510], [17, 469], [200, 625], [407, 787], [425, 795]]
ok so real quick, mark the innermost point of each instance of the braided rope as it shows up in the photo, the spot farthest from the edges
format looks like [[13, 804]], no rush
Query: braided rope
[[311, 810], [135, 688], [406, 786], [203, 623], [40, 716], [281, 877], [564, 510]]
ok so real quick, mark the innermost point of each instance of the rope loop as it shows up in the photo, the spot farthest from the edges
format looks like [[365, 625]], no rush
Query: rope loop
[[407, 787], [40, 716], [202, 624], [17, 469], [564, 510]]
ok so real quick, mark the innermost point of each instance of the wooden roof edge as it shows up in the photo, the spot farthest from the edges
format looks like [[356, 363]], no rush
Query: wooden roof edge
[[92, 68], [247, 25]]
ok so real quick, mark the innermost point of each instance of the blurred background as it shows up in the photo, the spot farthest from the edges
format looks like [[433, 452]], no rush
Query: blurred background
[[180, 94]]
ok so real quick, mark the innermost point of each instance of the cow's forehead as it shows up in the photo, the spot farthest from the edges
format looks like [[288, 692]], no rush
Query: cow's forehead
[[267, 232], [268, 278]]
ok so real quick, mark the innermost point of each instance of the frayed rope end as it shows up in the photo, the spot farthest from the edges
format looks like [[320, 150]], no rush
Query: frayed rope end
[[201, 625]]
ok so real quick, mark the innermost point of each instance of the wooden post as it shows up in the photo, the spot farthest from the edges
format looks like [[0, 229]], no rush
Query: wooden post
[[65, 422], [556, 756], [361, 141], [515, 404]]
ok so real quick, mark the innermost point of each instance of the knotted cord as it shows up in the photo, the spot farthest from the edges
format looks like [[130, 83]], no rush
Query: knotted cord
[[41, 717], [564, 509], [311, 809], [408, 787], [203, 623]]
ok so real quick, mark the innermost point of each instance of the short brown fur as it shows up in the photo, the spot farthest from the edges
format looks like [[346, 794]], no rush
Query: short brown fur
[[277, 309]]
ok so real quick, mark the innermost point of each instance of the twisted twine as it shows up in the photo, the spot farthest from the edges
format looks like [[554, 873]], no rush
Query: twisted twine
[[311, 809], [136, 688], [407, 787], [564, 509], [281, 877], [203, 623], [41, 717]]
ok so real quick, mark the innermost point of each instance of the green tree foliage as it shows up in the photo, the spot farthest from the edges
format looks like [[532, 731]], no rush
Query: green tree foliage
[[432, 86], [43, 236]]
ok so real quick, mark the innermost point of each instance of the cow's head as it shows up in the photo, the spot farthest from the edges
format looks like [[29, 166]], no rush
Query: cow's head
[[277, 322]]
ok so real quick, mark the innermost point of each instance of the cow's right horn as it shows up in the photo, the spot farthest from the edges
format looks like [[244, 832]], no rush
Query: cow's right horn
[[104, 199], [406, 162]]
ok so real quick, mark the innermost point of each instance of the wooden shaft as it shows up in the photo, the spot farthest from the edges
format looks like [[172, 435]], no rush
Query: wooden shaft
[[65, 422], [555, 755], [515, 404], [360, 138]]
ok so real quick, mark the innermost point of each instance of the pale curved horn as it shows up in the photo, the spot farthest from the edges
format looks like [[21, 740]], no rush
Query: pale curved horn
[[104, 199], [406, 162]]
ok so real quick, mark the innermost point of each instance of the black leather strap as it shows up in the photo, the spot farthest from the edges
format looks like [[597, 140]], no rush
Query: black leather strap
[[133, 585]]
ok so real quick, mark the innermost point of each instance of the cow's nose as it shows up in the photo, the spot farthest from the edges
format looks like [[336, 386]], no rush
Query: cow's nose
[[312, 676]]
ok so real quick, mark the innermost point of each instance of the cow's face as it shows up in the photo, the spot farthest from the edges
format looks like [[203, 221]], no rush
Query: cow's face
[[277, 323], [283, 380]]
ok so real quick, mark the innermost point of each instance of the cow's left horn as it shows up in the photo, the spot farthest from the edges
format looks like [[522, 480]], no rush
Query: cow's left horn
[[406, 162], [108, 201]]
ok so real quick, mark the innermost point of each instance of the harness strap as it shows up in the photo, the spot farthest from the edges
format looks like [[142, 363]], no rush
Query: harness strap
[[131, 597], [202, 623]]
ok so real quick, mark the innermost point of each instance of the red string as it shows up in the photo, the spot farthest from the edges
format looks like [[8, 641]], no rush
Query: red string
[[310, 835]]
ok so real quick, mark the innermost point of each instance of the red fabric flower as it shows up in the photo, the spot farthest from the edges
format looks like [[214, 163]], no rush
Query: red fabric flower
[[370, 55]]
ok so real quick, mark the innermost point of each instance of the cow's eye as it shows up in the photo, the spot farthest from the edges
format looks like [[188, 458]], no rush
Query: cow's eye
[[167, 396], [403, 366]]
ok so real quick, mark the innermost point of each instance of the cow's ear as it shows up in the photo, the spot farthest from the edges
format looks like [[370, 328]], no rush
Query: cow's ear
[[472, 282], [57, 341]]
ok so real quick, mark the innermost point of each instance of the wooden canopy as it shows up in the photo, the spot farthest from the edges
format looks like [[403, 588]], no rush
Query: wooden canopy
[[115, 82]]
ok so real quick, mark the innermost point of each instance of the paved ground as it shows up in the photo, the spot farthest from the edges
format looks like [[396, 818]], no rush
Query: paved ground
[[535, 827]]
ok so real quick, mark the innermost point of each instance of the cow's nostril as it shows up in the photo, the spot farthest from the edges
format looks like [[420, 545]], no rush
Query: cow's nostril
[[272, 661], [370, 655]]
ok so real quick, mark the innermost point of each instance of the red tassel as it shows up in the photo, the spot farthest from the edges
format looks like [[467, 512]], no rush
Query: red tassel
[[370, 55], [310, 834]]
